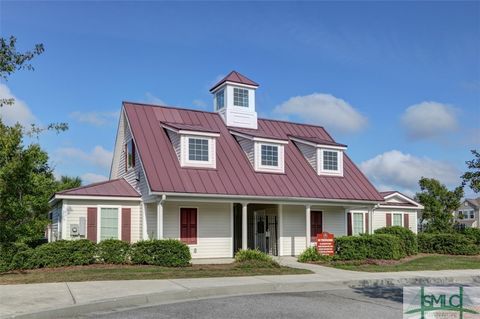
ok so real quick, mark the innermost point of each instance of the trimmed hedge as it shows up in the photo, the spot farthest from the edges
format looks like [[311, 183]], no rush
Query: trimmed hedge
[[167, 253], [64, 253], [408, 239], [472, 233], [378, 246], [311, 254], [452, 244], [254, 258], [113, 251]]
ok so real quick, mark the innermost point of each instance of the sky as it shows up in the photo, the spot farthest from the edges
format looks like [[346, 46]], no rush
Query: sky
[[398, 82]]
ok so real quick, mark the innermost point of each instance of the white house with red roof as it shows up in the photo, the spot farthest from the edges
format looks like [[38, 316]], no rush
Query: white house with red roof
[[226, 180]]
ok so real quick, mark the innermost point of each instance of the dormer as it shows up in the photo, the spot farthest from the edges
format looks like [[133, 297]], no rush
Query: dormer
[[234, 100], [326, 157], [195, 146]]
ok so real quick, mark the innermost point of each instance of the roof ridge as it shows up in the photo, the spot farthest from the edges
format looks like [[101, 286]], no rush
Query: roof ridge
[[169, 107]]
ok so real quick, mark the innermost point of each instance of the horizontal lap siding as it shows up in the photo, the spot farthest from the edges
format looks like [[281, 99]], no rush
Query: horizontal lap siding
[[56, 215], [214, 233], [380, 219], [78, 208], [294, 230], [333, 220], [151, 210], [310, 154]]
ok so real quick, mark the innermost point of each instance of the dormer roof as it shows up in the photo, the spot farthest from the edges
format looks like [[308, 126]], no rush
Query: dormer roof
[[317, 141], [235, 77]]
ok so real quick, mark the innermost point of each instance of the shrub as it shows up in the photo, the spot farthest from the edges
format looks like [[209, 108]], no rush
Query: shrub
[[113, 251], [472, 233], [7, 253], [408, 240], [453, 244], [165, 252], [64, 253], [23, 259], [311, 254], [378, 246], [254, 258]]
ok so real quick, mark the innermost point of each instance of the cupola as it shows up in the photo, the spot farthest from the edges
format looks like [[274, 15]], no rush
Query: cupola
[[234, 100]]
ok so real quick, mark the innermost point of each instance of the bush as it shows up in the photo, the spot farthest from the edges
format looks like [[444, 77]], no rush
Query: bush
[[23, 259], [452, 244], [7, 253], [408, 240], [311, 254], [113, 251], [378, 246], [64, 253], [165, 252], [472, 233], [254, 258]]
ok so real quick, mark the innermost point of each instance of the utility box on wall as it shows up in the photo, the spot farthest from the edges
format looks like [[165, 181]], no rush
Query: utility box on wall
[[82, 226], [74, 230]]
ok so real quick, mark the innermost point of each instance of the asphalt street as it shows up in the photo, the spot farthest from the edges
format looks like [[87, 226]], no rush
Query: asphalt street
[[367, 303]]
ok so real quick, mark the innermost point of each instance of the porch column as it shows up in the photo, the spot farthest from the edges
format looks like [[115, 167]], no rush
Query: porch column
[[144, 222], [308, 226], [160, 220], [244, 226]]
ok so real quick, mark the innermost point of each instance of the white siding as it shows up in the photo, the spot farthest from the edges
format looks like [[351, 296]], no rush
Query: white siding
[[78, 208], [214, 229], [175, 140], [248, 147], [333, 220], [56, 212], [151, 215], [294, 230], [380, 218], [310, 154]]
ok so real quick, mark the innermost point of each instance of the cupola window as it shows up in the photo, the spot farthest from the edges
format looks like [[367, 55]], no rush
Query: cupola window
[[240, 97]]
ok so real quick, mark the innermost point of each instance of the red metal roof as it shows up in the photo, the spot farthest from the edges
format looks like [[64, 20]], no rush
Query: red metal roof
[[320, 141], [254, 133], [112, 188], [186, 127], [235, 77], [234, 174], [386, 193]]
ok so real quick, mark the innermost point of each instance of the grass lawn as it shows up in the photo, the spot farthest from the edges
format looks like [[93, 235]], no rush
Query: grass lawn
[[128, 272], [419, 262]]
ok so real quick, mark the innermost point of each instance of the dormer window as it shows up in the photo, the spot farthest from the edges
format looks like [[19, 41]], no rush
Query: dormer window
[[240, 97], [269, 155], [198, 149], [330, 160], [220, 99]]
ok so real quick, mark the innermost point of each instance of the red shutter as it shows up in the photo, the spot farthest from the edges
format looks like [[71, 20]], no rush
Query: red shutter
[[188, 225], [406, 221], [389, 220], [349, 224], [366, 223], [92, 224], [126, 224], [316, 226]]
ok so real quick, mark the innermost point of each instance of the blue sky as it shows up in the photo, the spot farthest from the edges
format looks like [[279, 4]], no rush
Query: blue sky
[[398, 82]]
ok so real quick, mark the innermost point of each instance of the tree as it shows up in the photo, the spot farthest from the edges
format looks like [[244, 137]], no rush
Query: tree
[[472, 177], [67, 182], [439, 204]]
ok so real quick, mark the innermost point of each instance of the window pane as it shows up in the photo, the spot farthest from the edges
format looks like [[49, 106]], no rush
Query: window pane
[[397, 220], [130, 154], [220, 96], [240, 97], [330, 161], [198, 149], [269, 155], [357, 223], [108, 223]]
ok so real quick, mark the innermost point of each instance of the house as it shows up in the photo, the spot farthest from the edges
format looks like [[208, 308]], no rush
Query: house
[[469, 213], [226, 180]]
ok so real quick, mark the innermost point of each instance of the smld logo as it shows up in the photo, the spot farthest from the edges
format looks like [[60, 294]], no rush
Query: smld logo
[[441, 302]]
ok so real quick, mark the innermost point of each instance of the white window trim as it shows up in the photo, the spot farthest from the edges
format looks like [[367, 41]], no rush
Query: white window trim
[[268, 168], [321, 171], [402, 218], [248, 97], [224, 99], [180, 225], [99, 220], [130, 167], [184, 146], [364, 228]]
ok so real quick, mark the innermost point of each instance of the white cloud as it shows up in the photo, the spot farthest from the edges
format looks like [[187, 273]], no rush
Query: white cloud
[[90, 178], [19, 112], [324, 109], [199, 103], [150, 98], [95, 118], [429, 119], [99, 156], [394, 170]]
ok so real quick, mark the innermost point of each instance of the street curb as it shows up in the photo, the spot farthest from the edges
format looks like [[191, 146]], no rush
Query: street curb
[[238, 290]]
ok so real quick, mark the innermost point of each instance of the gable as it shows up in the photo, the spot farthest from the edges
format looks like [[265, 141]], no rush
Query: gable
[[234, 174]]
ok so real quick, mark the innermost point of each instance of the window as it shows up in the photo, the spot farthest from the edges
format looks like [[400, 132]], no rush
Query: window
[[188, 225], [357, 223], [315, 224], [108, 223], [330, 160], [472, 214], [269, 155], [240, 97], [129, 155], [220, 99], [198, 149], [397, 220]]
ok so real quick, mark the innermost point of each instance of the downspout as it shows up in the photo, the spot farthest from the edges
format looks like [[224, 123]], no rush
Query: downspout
[[160, 216]]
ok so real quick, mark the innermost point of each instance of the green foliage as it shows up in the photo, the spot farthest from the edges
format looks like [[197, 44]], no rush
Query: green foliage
[[472, 176], [378, 246], [452, 244], [64, 253], [7, 253], [408, 239], [165, 252], [439, 203], [472, 233], [113, 251], [256, 264], [67, 182], [254, 258], [311, 254]]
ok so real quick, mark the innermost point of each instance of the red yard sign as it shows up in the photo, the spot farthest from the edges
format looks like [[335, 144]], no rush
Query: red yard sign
[[326, 244]]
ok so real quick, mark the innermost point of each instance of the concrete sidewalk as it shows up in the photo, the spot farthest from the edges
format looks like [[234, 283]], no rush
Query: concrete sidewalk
[[64, 300]]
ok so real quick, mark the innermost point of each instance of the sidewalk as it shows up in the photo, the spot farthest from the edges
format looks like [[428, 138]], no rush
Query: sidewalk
[[60, 300]]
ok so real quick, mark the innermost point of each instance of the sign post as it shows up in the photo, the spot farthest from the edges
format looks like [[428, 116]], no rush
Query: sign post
[[326, 244]]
